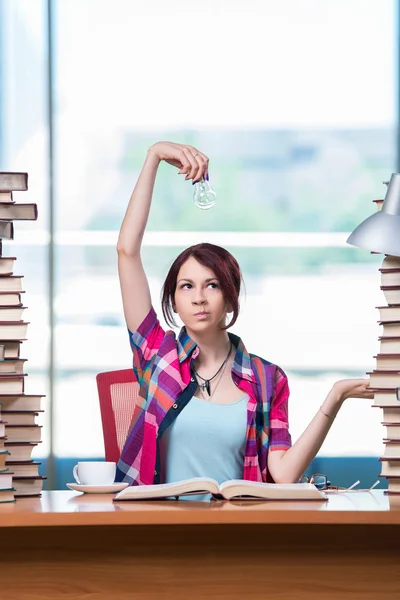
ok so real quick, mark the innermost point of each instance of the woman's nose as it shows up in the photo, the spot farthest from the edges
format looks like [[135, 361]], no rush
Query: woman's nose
[[199, 298]]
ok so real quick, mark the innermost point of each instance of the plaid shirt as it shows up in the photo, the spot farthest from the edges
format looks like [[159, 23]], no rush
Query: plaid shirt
[[162, 364]]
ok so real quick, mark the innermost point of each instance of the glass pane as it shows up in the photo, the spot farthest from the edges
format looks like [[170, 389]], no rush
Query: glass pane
[[24, 147], [302, 137]]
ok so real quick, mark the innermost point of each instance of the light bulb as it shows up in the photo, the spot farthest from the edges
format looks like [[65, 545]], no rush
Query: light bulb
[[204, 196]]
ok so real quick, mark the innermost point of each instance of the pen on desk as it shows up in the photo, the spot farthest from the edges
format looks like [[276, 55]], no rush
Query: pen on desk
[[353, 486], [374, 485]]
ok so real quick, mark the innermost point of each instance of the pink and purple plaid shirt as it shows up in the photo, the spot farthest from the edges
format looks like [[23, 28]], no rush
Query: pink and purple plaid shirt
[[163, 366]]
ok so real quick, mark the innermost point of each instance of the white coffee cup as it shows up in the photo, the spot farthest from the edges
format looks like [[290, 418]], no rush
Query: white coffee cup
[[94, 472]]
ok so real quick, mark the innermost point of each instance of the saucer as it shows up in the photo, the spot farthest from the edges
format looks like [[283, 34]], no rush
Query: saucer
[[111, 488]]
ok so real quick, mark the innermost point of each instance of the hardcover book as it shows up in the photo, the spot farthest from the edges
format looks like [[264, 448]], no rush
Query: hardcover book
[[23, 433], [389, 314], [6, 197], [383, 397], [28, 486], [228, 490], [11, 298], [18, 212], [384, 379], [19, 451], [20, 417], [13, 182], [13, 330], [22, 402], [11, 283], [7, 265], [6, 230], [27, 468]]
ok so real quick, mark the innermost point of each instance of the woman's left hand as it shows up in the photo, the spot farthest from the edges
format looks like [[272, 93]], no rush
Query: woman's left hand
[[353, 388]]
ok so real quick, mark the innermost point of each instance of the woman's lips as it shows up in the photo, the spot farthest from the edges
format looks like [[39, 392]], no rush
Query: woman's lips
[[201, 315]]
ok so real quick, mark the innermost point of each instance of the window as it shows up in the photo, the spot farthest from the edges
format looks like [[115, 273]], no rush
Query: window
[[299, 122]]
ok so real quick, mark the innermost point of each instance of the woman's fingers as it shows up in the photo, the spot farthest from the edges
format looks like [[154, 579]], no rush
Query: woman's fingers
[[200, 168], [185, 162], [364, 391], [192, 169], [202, 161]]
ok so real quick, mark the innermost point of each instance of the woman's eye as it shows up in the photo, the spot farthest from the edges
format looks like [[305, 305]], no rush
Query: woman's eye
[[189, 286]]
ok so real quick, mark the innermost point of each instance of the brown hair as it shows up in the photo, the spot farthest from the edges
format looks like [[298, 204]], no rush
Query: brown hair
[[225, 268]]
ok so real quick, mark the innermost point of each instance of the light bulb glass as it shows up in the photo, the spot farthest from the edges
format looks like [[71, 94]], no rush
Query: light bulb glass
[[204, 196]]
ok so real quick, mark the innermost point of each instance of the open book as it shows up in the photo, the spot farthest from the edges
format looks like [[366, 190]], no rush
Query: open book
[[233, 488]]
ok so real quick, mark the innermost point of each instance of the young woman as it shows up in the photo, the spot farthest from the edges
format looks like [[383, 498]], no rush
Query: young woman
[[206, 407]]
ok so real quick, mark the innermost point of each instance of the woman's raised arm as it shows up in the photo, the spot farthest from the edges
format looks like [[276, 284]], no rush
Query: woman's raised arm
[[134, 285]]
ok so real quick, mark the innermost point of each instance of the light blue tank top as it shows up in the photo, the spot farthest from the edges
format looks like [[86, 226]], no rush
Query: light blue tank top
[[205, 440]]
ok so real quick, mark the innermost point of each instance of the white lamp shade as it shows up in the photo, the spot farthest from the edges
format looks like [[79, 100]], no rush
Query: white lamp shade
[[381, 231]]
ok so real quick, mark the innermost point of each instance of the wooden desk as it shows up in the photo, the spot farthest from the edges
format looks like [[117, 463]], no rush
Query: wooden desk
[[70, 546]]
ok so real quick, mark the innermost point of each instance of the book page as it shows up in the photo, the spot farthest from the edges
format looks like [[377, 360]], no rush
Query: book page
[[275, 491], [195, 485]]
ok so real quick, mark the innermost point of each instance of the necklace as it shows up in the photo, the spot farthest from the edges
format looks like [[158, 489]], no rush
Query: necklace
[[210, 397], [206, 382]]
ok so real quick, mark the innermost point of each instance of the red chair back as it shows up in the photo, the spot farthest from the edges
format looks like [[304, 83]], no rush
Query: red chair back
[[118, 392]]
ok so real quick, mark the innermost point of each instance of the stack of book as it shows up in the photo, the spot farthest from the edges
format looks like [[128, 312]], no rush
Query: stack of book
[[385, 379], [19, 432]]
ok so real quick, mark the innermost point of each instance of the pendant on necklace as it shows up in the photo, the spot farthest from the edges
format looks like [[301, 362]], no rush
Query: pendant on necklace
[[206, 386]]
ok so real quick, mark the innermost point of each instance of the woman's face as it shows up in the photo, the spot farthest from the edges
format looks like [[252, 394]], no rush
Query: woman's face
[[198, 297]]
